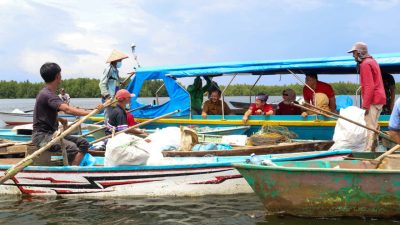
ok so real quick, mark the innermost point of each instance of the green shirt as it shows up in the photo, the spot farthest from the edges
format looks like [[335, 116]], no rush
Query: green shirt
[[197, 92]]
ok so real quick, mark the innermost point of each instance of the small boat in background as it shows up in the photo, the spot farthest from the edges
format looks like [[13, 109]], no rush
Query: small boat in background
[[347, 188], [21, 118]]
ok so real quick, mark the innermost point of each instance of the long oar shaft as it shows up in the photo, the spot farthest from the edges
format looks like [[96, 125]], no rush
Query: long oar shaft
[[332, 115], [342, 117], [136, 126], [28, 160]]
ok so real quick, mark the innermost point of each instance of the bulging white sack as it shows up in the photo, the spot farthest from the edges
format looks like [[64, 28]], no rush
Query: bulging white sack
[[348, 135], [125, 149]]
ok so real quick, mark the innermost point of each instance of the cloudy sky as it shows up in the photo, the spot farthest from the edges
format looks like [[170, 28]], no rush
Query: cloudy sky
[[79, 35]]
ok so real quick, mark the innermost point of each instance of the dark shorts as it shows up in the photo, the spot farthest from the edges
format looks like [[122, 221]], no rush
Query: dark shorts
[[73, 145]]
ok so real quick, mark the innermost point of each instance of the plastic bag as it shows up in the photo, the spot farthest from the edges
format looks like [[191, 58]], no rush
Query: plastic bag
[[125, 149], [348, 135]]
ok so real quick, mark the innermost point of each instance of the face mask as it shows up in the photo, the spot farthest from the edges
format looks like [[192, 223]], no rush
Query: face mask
[[119, 64]]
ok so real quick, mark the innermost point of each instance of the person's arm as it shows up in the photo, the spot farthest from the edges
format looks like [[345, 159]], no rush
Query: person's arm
[[104, 82], [270, 112], [246, 116], [205, 110], [72, 110], [332, 104], [208, 84]]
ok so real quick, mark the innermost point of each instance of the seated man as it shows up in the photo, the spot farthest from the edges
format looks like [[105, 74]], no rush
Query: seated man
[[318, 87], [260, 107], [213, 106], [394, 122], [118, 117], [45, 114]]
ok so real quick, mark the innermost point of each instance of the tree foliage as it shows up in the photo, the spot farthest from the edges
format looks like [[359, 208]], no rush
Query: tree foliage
[[89, 88]]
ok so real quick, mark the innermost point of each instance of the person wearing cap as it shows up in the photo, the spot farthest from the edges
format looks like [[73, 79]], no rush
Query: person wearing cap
[[213, 106], [260, 107], [372, 89], [64, 96], [110, 79], [196, 91], [118, 116], [318, 87], [45, 116]]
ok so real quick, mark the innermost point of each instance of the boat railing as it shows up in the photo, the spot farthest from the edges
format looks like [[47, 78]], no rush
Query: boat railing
[[252, 87], [222, 95], [184, 89], [158, 90]]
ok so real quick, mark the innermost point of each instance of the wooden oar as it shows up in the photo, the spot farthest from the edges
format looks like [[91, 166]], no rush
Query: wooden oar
[[136, 126], [28, 160], [126, 79], [129, 111], [336, 116]]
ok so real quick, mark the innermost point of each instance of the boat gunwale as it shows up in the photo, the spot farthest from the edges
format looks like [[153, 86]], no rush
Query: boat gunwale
[[278, 168]]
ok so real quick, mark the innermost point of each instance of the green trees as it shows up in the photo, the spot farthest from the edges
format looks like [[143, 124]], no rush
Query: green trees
[[89, 88]]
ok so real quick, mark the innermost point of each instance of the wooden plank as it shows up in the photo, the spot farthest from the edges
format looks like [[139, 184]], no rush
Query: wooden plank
[[263, 149]]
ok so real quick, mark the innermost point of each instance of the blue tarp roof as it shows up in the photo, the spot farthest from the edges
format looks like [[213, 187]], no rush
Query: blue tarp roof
[[180, 99], [389, 62]]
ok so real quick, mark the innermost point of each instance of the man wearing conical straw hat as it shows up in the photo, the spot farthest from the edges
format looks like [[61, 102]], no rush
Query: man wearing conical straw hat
[[110, 79]]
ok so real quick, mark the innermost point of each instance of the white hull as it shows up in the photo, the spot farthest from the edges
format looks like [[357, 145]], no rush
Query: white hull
[[25, 118], [168, 182]]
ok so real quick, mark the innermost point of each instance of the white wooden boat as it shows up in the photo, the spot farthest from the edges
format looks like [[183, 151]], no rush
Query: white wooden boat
[[13, 119], [184, 176]]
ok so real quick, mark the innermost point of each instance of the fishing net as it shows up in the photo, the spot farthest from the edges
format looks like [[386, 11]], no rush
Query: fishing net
[[269, 135]]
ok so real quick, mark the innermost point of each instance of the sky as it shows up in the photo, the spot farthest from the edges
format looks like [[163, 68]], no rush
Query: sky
[[80, 35]]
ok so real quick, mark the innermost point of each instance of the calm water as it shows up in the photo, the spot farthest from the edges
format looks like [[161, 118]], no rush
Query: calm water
[[236, 209]]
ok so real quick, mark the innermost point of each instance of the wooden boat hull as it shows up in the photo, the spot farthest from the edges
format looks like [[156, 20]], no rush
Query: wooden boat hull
[[209, 176], [301, 146], [317, 189]]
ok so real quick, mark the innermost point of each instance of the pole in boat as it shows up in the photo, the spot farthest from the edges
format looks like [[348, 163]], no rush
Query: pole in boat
[[28, 160], [332, 115], [129, 111], [136, 126]]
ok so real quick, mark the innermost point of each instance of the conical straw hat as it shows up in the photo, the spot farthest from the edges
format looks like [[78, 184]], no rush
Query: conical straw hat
[[116, 55]]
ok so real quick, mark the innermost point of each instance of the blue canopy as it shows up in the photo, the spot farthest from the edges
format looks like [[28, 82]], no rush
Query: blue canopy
[[389, 63], [180, 99]]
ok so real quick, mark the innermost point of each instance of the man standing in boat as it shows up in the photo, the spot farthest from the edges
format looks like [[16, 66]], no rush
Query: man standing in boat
[[110, 79], [45, 121], [318, 87], [372, 90], [64, 96]]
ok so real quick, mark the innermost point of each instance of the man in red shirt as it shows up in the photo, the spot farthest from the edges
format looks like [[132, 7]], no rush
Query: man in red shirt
[[372, 90], [318, 87], [260, 107]]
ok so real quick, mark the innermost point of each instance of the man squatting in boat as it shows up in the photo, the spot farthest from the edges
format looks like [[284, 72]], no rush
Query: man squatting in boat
[[45, 122]]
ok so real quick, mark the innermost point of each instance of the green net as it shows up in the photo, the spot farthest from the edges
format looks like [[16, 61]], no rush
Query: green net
[[269, 135]]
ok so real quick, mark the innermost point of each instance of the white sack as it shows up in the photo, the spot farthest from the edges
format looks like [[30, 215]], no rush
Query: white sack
[[162, 139], [348, 135], [125, 149]]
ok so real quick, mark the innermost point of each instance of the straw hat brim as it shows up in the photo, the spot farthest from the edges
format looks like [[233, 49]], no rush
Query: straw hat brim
[[115, 56]]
